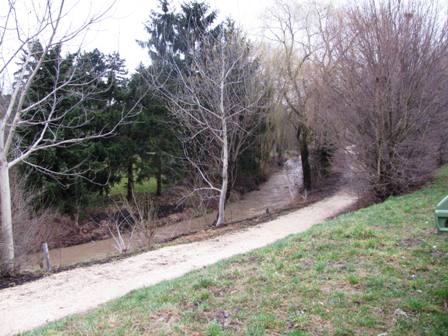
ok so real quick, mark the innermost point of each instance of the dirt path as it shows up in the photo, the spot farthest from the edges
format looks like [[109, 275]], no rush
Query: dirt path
[[33, 304]]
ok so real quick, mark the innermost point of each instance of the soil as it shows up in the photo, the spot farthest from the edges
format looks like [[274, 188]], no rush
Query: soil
[[84, 288]]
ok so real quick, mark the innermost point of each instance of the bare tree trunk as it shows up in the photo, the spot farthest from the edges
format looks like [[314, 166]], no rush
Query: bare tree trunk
[[225, 146], [225, 176], [231, 178], [130, 185], [7, 243], [304, 156]]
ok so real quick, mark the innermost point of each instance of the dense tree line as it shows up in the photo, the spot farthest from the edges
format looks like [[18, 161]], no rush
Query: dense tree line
[[147, 146], [151, 143]]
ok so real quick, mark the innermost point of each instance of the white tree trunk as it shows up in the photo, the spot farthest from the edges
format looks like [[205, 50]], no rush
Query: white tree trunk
[[7, 241], [225, 178], [225, 148]]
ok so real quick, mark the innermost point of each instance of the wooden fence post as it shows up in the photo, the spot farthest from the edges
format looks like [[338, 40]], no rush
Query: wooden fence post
[[46, 256]]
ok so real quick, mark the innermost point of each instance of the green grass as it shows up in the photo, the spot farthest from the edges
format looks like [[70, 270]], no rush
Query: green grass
[[380, 269], [145, 186]]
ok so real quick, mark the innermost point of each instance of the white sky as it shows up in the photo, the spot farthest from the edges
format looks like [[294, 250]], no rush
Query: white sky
[[119, 29], [124, 24]]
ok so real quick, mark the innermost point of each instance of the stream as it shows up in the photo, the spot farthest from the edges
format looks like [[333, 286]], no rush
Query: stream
[[279, 191]]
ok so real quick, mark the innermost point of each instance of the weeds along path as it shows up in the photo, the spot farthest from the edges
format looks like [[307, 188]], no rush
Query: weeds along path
[[36, 303]]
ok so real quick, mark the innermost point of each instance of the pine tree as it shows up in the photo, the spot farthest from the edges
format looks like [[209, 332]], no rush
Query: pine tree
[[71, 177]]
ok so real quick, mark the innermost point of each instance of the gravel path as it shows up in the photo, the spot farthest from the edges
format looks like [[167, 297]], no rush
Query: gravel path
[[36, 303]]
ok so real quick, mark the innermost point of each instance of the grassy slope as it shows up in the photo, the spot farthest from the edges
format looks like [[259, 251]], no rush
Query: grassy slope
[[380, 269]]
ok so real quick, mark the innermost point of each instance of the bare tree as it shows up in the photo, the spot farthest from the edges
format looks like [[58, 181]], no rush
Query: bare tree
[[134, 225], [218, 96], [302, 36], [46, 25], [389, 94]]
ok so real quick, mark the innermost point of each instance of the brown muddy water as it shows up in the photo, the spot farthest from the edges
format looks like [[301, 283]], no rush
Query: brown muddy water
[[279, 191]]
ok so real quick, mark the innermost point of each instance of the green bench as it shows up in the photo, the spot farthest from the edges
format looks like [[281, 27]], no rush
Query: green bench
[[442, 215]]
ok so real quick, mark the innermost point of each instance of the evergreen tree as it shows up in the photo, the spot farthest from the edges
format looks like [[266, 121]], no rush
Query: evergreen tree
[[74, 175], [149, 144]]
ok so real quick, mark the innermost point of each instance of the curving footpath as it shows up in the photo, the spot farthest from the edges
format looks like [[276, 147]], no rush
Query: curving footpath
[[37, 303]]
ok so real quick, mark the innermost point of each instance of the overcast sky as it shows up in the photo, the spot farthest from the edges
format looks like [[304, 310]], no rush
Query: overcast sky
[[124, 24], [119, 29]]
